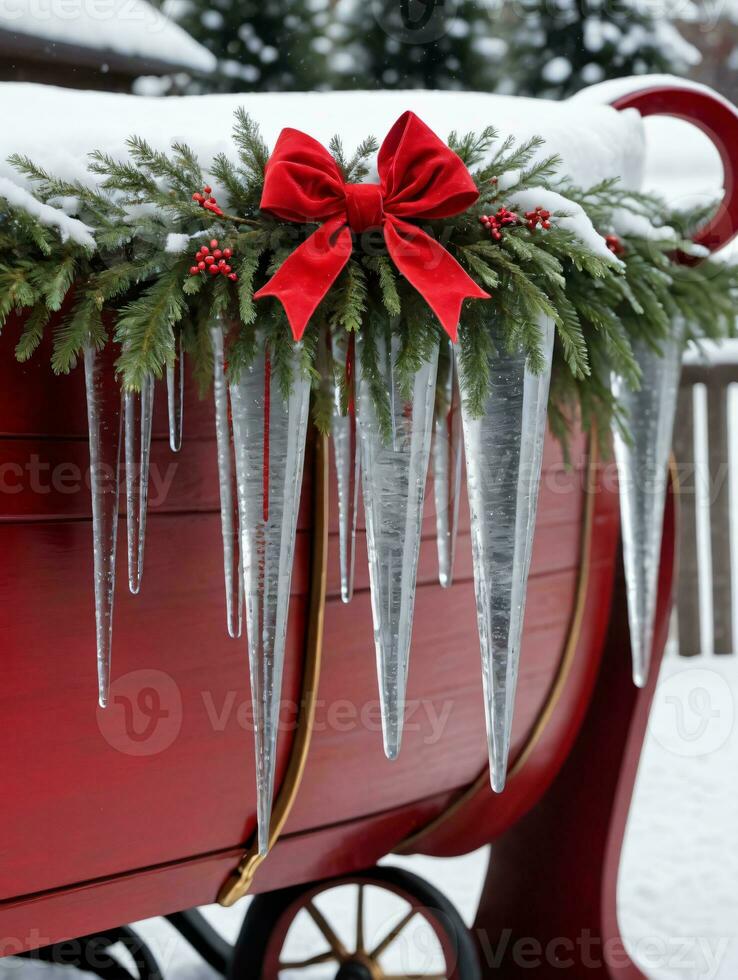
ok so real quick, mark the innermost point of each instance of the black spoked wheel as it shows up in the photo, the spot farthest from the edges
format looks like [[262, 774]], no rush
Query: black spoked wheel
[[381, 924], [97, 954]]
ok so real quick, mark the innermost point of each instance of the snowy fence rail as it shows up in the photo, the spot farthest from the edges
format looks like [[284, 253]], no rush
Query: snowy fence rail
[[702, 439]]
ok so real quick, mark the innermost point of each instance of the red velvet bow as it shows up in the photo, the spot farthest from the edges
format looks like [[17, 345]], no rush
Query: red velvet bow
[[420, 177]]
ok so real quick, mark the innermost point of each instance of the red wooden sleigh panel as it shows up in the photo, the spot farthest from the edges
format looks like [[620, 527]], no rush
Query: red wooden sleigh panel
[[146, 806]]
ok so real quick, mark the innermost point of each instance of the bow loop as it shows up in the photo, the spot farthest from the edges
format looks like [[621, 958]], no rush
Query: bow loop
[[302, 181], [420, 178], [420, 175]]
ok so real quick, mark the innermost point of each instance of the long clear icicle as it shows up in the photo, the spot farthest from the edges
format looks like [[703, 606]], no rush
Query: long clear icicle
[[104, 424], [175, 397], [447, 456], [227, 482], [139, 407], [504, 451], [394, 471], [347, 458], [642, 475], [269, 439]]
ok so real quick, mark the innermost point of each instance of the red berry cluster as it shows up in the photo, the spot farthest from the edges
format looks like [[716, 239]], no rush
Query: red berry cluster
[[207, 201], [214, 261], [615, 244], [538, 217], [494, 223]]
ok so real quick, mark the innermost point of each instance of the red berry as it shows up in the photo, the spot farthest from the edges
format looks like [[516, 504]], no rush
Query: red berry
[[194, 270], [201, 266], [213, 270], [214, 243], [227, 253], [233, 277], [226, 269], [209, 259], [218, 254], [197, 197], [207, 190]]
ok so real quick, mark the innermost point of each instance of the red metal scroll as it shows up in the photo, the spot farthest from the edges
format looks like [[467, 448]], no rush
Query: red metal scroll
[[719, 121]]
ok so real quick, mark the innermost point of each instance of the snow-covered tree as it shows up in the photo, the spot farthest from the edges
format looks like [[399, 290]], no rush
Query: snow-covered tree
[[261, 45], [430, 44], [556, 47], [713, 29]]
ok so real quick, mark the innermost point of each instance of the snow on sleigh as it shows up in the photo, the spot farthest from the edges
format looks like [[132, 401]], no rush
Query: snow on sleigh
[[147, 806]]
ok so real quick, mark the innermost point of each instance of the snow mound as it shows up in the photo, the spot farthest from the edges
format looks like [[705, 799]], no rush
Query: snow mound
[[133, 28], [67, 227], [681, 164], [571, 216], [593, 142]]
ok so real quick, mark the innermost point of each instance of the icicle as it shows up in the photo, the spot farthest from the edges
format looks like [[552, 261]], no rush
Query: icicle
[[642, 474], [269, 439], [504, 449], [447, 439], [347, 456], [104, 423], [175, 398], [394, 472], [139, 408], [228, 493]]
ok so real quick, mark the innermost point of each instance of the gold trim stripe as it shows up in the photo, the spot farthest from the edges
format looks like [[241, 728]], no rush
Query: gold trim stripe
[[239, 882]]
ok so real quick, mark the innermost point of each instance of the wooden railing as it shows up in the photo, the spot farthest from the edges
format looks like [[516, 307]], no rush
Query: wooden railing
[[713, 479]]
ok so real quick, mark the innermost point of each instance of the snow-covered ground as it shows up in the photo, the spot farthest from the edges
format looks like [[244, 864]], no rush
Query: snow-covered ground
[[677, 901]]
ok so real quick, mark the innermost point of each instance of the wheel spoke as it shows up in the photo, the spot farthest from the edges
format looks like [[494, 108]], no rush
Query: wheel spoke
[[341, 953], [360, 921], [312, 961], [392, 935]]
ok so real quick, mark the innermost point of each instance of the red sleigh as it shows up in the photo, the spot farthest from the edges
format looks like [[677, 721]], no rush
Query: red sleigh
[[147, 808]]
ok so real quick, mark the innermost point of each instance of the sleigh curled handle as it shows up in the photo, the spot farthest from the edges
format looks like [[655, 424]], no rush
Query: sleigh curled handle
[[719, 120]]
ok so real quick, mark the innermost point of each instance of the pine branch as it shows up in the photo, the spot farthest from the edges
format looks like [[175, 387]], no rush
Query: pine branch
[[33, 331], [253, 151]]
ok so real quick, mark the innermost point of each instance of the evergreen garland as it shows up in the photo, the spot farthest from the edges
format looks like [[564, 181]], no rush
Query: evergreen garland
[[136, 288]]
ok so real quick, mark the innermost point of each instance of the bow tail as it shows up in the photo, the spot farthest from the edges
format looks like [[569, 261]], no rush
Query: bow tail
[[432, 270], [308, 273]]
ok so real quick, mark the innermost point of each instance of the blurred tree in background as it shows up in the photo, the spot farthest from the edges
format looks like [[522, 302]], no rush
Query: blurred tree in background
[[415, 44], [556, 47], [261, 45], [548, 48]]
